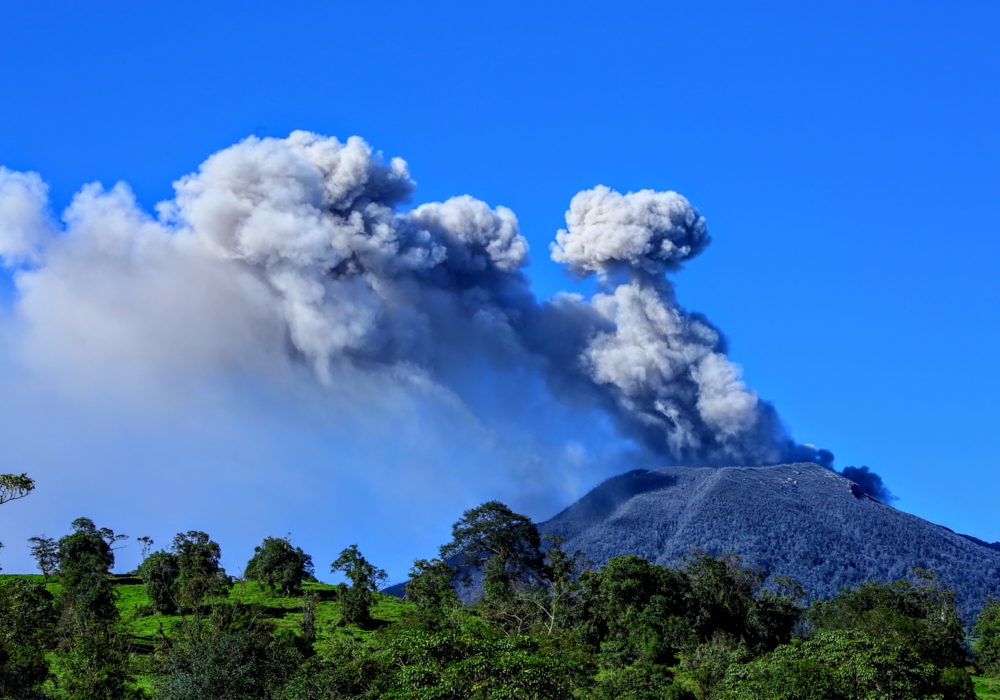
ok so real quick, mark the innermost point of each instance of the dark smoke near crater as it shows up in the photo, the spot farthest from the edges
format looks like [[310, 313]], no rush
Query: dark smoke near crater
[[297, 248], [870, 483]]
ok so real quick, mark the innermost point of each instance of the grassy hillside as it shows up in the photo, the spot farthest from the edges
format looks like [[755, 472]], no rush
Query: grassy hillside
[[284, 611], [987, 689]]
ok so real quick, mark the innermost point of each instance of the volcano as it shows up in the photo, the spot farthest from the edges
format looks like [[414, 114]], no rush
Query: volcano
[[797, 520]]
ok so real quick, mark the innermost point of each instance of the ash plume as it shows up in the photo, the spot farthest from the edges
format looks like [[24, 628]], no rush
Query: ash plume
[[300, 250]]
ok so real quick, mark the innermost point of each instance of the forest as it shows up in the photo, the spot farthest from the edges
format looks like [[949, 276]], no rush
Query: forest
[[501, 613]]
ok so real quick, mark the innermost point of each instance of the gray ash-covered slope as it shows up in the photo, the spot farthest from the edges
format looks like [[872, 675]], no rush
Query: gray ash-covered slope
[[797, 520]]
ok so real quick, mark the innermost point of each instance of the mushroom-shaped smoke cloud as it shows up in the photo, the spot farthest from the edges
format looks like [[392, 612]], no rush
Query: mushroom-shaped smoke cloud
[[297, 249]]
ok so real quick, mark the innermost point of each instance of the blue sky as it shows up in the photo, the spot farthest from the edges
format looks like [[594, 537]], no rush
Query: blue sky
[[846, 158]]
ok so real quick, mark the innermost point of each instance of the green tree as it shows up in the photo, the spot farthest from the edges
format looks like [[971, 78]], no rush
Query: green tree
[[507, 542], [200, 575], [46, 554], [987, 646], [430, 585], [839, 664], [919, 615], [419, 664], [561, 595], [96, 664], [94, 652], [280, 566], [356, 599], [159, 573], [431, 589], [85, 558], [15, 486], [233, 666], [634, 611], [27, 627]]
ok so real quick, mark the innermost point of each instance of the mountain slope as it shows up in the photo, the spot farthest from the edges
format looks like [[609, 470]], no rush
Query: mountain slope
[[797, 520]]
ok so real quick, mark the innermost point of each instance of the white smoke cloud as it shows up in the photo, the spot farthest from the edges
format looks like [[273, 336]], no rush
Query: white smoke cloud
[[279, 252], [646, 230], [24, 226]]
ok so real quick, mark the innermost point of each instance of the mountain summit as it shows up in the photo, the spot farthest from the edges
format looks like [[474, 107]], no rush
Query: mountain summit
[[798, 520]]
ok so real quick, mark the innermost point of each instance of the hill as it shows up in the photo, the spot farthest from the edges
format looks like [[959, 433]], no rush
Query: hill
[[796, 520]]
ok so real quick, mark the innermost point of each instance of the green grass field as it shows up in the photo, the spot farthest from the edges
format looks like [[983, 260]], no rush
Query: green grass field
[[987, 689], [283, 611]]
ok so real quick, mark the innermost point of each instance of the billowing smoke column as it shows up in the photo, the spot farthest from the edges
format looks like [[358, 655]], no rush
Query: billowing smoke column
[[298, 247]]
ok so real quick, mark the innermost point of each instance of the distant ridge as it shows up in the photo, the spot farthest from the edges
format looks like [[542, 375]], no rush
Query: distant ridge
[[797, 520]]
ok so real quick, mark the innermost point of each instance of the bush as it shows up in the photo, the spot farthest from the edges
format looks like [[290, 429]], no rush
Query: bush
[[280, 566], [27, 618], [987, 647], [228, 667], [836, 665], [159, 573]]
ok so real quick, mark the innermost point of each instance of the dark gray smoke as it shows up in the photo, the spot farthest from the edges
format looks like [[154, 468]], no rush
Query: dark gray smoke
[[298, 248], [871, 483]]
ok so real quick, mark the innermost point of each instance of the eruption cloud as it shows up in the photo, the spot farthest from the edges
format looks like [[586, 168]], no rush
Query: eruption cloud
[[300, 250]]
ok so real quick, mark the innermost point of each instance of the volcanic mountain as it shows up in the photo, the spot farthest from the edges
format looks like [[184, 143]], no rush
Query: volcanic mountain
[[796, 520]]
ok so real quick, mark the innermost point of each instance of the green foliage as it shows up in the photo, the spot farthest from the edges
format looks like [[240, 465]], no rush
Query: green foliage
[[417, 664], [634, 611], [279, 565], [159, 573], [492, 531], [547, 627], [431, 593], [27, 623], [45, 552], [85, 557], [200, 575], [15, 486], [640, 682], [96, 664], [919, 616], [233, 666], [835, 665], [356, 599], [987, 646]]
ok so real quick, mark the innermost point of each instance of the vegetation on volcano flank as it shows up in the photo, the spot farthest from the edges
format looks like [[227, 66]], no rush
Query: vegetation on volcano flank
[[547, 625]]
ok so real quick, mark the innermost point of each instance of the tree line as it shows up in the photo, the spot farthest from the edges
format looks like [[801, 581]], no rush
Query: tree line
[[500, 613]]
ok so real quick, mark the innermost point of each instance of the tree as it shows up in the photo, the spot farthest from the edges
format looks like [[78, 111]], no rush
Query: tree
[[46, 553], [987, 645], [159, 573], [635, 611], [430, 586], [97, 664], [356, 600], [94, 652], [280, 566], [562, 594], [231, 666], [841, 665], [27, 621], [85, 557], [147, 545], [15, 486], [199, 572], [919, 615], [508, 542]]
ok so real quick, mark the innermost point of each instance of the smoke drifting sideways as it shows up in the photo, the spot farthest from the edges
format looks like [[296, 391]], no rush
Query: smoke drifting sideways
[[301, 248], [871, 483]]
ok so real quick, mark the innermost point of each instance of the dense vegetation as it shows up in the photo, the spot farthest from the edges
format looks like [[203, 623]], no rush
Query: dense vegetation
[[799, 520], [546, 624]]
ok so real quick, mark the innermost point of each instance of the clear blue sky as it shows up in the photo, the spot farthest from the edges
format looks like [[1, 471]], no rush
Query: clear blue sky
[[846, 157]]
